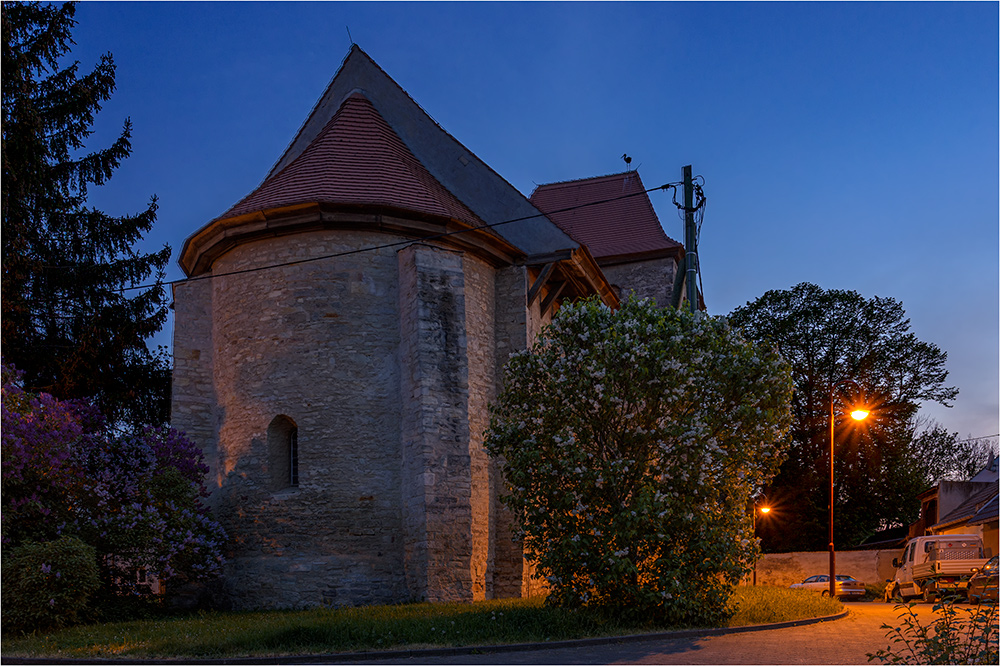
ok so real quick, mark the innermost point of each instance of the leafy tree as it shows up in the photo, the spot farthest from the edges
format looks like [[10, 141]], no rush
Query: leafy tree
[[826, 336], [631, 442], [135, 498], [67, 323]]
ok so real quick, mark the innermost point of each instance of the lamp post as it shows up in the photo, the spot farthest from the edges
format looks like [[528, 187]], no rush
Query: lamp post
[[764, 510], [857, 415]]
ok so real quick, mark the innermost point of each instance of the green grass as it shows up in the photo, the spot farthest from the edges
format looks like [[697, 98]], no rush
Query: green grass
[[218, 634], [764, 605]]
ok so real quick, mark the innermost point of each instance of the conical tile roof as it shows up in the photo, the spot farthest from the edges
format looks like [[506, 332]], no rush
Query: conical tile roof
[[356, 159]]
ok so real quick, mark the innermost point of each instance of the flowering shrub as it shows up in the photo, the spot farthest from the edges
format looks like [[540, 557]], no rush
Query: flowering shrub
[[40, 436], [145, 510], [954, 636], [135, 498], [47, 585], [630, 442]]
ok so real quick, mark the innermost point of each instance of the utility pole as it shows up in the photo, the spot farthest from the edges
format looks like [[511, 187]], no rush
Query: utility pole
[[690, 241]]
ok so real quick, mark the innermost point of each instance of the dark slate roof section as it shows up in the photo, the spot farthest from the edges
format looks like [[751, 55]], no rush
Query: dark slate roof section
[[626, 226], [989, 513], [453, 165], [969, 507], [356, 159], [894, 537]]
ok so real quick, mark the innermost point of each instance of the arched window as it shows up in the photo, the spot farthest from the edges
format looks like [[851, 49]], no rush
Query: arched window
[[283, 453]]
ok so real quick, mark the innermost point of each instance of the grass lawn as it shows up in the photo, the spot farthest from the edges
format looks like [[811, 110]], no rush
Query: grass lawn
[[218, 634]]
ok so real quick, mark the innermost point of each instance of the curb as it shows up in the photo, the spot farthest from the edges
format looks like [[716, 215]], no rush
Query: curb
[[352, 657]]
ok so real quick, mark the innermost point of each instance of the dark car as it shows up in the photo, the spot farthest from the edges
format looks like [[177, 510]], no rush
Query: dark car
[[983, 584]]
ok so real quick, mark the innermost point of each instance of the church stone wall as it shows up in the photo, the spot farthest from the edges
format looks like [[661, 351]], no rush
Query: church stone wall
[[480, 305], [194, 405], [437, 505], [653, 278], [316, 343], [384, 364]]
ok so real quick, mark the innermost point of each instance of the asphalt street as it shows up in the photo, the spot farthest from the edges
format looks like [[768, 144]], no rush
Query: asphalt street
[[845, 641]]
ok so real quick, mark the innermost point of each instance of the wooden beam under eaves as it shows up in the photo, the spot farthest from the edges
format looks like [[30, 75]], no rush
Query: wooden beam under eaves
[[536, 286], [551, 297]]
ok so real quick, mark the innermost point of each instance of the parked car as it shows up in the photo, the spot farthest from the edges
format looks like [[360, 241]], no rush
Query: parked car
[[847, 586], [983, 584]]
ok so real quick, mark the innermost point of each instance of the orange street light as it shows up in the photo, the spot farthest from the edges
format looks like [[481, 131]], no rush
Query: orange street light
[[764, 510], [857, 414]]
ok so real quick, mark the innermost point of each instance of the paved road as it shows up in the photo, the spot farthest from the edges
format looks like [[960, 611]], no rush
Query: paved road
[[844, 641]]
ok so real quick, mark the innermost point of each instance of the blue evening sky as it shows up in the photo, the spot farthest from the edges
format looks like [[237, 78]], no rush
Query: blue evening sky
[[852, 145]]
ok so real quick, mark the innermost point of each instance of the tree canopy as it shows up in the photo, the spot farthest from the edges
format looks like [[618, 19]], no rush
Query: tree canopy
[[631, 442], [828, 336], [68, 323]]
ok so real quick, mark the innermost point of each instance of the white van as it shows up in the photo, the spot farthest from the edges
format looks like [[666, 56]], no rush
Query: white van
[[932, 566]]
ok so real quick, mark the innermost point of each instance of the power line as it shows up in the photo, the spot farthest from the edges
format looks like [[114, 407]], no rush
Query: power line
[[397, 243], [973, 439]]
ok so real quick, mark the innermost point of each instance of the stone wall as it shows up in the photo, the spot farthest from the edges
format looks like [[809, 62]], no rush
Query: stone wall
[[653, 278], [194, 404], [437, 473], [511, 335], [382, 367], [317, 343], [480, 306], [783, 569]]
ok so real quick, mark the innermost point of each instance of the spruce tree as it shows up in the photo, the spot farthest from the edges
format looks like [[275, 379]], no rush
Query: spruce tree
[[70, 322]]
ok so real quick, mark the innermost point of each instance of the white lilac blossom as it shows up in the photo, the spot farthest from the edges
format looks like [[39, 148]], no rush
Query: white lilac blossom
[[631, 440]]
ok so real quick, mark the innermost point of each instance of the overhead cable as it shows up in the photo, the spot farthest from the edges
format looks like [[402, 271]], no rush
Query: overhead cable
[[396, 243]]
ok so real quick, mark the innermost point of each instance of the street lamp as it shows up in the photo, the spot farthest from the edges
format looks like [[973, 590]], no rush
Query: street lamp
[[764, 510], [857, 414]]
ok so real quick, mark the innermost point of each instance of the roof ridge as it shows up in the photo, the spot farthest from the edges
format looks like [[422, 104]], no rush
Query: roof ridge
[[559, 183], [314, 111]]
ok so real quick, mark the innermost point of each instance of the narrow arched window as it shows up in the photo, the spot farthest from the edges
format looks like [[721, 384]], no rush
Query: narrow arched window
[[293, 457], [283, 453]]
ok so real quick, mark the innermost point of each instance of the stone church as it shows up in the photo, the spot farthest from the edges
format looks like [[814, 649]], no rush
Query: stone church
[[343, 329]]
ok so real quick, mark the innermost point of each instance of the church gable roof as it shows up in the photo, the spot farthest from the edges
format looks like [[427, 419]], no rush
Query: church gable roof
[[356, 158], [624, 225], [470, 180]]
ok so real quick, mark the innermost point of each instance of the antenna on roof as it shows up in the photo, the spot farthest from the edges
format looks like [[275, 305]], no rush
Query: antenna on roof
[[349, 34], [628, 161]]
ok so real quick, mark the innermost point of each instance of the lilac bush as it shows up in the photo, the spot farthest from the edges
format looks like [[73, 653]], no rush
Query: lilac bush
[[136, 498], [40, 474], [631, 441]]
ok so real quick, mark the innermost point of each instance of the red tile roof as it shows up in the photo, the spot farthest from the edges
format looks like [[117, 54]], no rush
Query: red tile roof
[[356, 159], [622, 226]]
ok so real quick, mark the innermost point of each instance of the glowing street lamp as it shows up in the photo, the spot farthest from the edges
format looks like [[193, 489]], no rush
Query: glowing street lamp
[[764, 510], [858, 414]]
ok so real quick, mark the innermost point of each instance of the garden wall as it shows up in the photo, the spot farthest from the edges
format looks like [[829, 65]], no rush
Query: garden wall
[[783, 569]]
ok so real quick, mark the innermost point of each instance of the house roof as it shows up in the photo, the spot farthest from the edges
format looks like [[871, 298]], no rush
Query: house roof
[[989, 512], [616, 221], [888, 538], [356, 158], [969, 508]]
